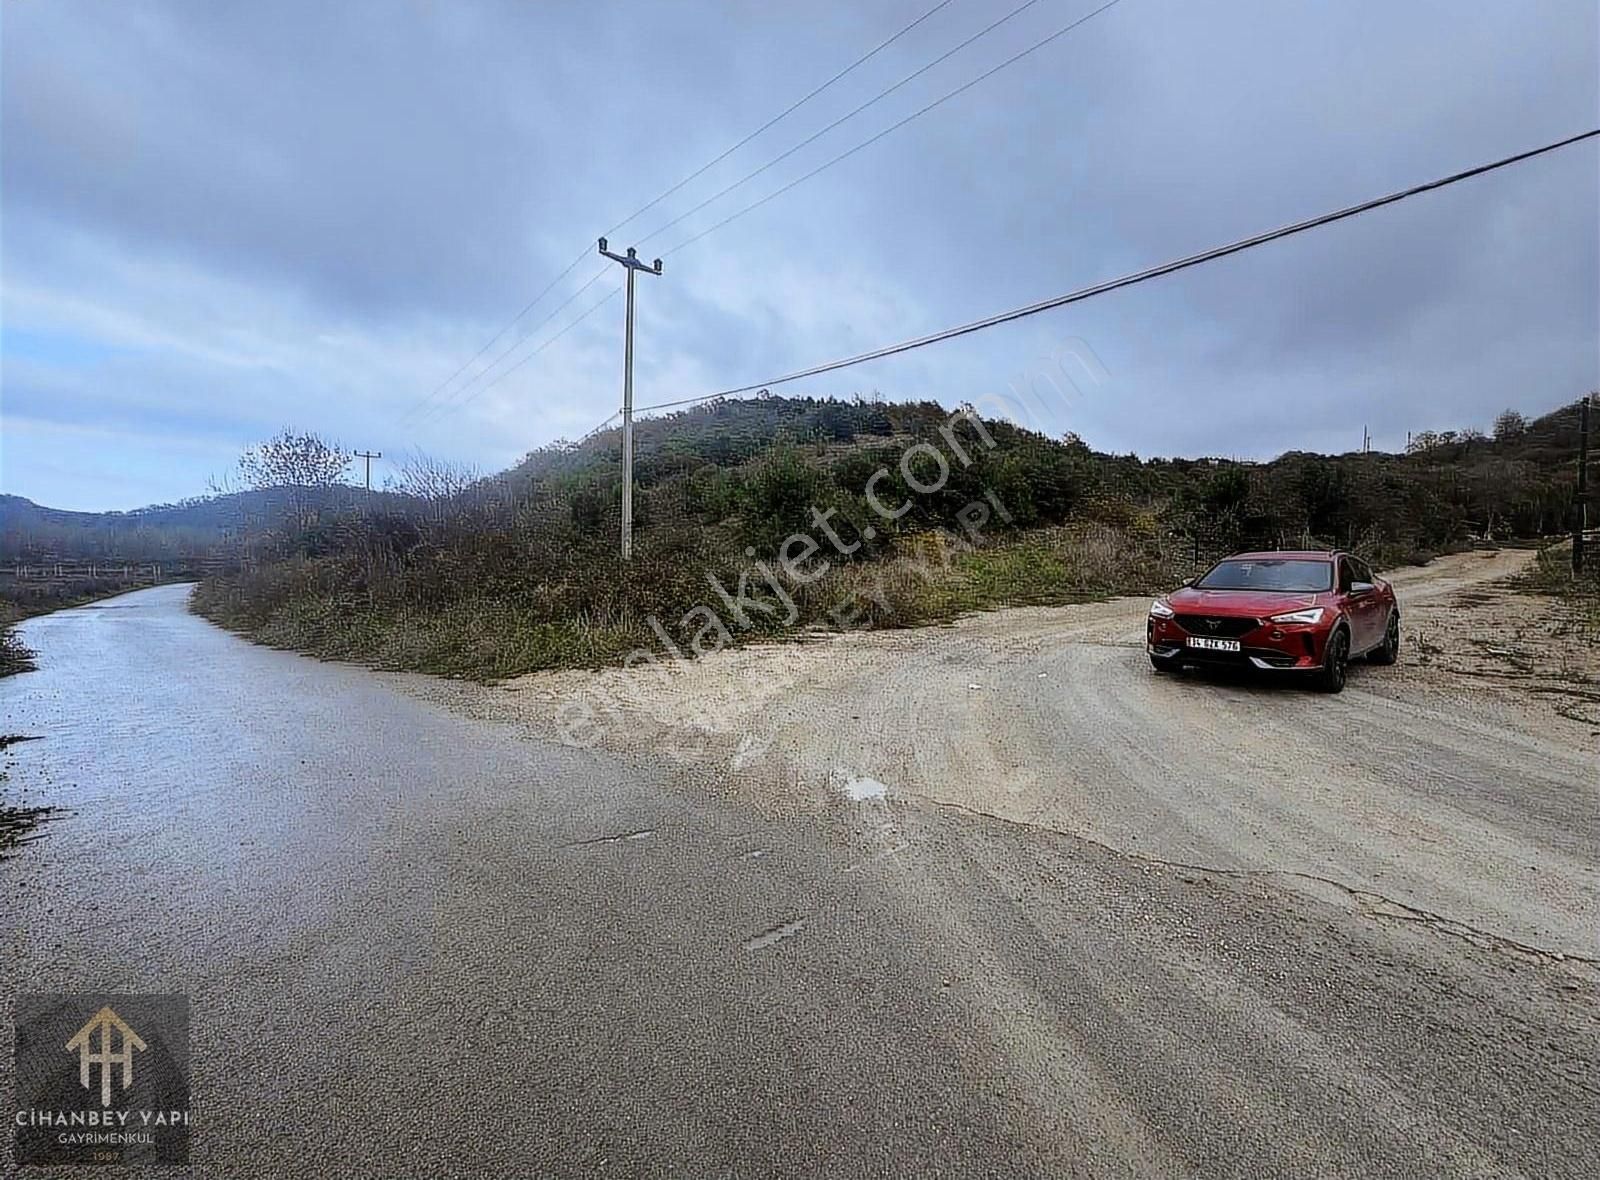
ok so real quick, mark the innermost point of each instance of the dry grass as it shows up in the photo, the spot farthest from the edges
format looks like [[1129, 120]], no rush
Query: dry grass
[[928, 578], [1579, 596]]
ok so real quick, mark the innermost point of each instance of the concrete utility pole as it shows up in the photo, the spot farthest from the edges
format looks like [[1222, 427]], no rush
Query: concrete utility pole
[[1580, 507], [369, 456], [630, 263]]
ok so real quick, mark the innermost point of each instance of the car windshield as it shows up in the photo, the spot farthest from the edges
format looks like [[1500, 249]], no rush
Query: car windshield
[[1297, 575]]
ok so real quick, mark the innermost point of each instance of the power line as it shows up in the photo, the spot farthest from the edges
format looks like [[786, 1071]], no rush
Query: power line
[[917, 114], [531, 304], [812, 138], [598, 429], [571, 266], [779, 117], [593, 307], [434, 413], [836, 159], [1129, 280]]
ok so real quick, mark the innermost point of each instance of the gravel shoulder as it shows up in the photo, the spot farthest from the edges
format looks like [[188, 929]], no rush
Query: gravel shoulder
[[1431, 788]]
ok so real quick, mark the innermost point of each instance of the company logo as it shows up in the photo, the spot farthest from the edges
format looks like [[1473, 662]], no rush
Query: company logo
[[101, 1079], [111, 1028]]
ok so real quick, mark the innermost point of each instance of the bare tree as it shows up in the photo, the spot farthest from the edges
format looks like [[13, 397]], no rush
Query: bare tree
[[1509, 425], [300, 465], [428, 478]]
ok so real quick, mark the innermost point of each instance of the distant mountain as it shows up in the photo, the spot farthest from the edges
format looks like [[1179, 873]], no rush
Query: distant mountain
[[195, 527]]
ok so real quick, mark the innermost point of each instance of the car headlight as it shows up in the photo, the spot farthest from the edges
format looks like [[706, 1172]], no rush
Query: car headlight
[[1161, 610], [1314, 615]]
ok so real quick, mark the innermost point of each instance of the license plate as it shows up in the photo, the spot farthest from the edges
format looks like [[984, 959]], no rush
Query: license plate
[[1205, 644]]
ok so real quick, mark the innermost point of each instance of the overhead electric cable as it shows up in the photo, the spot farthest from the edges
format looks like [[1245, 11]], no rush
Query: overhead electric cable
[[779, 117], [893, 127], [880, 96], [529, 306], [810, 139], [571, 266], [1129, 280], [433, 413], [592, 308]]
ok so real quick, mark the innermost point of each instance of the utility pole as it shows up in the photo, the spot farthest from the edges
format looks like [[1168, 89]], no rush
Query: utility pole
[[369, 456], [630, 262], [1580, 509]]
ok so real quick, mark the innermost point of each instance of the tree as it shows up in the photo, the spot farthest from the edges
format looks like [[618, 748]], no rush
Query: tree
[[436, 484], [301, 465], [1509, 425], [1424, 441]]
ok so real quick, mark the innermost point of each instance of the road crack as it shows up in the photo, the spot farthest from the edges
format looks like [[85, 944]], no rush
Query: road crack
[[616, 838], [1368, 902]]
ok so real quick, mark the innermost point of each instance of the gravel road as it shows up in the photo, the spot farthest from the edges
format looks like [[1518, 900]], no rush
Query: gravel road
[[422, 939], [1419, 786]]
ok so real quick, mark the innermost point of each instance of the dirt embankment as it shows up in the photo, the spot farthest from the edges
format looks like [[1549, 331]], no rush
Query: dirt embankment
[[1530, 653], [1461, 783]]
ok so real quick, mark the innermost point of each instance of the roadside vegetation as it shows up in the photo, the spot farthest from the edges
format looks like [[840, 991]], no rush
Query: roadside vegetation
[[489, 577], [1577, 595], [448, 571]]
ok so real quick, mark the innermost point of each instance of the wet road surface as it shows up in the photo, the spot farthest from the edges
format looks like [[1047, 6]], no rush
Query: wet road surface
[[418, 944]]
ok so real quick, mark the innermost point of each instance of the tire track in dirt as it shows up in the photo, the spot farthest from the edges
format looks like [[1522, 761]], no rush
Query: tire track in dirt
[[1414, 784]]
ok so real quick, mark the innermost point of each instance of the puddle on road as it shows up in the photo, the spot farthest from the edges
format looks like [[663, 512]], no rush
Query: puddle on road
[[777, 934]]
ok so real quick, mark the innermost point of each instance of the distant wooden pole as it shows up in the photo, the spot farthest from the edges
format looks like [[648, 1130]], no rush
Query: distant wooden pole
[[369, 456]]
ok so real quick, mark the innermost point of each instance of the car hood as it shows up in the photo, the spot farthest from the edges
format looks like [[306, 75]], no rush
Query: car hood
[[1250, 603]]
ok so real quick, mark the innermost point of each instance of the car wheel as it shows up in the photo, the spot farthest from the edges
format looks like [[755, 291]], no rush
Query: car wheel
[[1388, 651], [1334, 659], [1160, 665]]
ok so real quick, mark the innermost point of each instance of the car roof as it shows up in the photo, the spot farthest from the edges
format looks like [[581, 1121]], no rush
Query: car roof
[[1285, 554]]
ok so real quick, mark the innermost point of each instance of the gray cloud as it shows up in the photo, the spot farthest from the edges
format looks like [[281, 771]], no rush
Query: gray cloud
[[223, 218]]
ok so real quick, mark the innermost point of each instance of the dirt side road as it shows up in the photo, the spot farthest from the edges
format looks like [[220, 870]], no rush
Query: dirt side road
[[1420, 788]]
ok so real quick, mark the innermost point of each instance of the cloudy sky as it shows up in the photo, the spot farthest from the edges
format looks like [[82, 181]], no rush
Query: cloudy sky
[[221, 219]]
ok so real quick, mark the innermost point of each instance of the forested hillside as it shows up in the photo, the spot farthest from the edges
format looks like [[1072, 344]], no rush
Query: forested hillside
[[835, 513]]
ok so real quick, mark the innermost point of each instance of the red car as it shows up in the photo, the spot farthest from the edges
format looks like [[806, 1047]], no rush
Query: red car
[[1307, 611]]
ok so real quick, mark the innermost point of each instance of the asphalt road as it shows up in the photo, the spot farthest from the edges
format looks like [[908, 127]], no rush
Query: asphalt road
[[423, 944]]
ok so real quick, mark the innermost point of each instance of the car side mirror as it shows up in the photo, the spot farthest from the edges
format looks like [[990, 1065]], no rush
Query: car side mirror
[[1362, 587]]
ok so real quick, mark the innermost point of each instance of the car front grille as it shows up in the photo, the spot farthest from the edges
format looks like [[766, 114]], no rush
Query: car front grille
[[1221, 627]]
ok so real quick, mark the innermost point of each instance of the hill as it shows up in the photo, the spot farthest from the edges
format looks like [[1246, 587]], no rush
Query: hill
[[757, 517], [201, 526]]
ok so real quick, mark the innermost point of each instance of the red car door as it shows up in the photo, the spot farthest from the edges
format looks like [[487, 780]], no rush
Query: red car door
[[1364, 608]]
